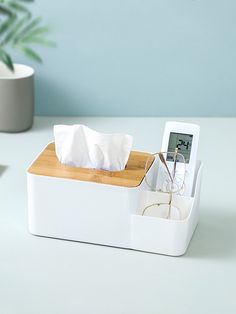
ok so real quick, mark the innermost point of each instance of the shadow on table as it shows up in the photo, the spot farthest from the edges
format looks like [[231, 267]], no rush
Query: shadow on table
[[3, 168], [215, 235]]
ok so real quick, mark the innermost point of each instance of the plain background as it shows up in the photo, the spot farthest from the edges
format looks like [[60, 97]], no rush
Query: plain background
[[137, 58]]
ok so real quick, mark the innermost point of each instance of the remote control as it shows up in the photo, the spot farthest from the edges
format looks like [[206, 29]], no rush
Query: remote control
[[183, 137]]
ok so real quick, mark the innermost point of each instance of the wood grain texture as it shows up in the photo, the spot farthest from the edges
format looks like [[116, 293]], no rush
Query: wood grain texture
[[47, 164]]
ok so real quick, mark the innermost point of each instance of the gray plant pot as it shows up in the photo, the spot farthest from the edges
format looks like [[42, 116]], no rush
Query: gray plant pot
[[16, 98]]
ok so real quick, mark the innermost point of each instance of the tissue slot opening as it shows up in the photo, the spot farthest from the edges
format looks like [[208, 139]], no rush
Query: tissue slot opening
[[47, 164]]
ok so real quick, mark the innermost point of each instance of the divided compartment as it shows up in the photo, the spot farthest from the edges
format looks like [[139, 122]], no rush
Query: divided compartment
[[166, 236], [104, 208]]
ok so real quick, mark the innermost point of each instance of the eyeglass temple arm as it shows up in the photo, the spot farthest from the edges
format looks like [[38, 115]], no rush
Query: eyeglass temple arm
[[154, 204], [175, 161], [162, 159]]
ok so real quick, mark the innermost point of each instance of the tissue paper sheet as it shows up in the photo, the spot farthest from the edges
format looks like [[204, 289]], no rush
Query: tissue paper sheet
[[80, 146]]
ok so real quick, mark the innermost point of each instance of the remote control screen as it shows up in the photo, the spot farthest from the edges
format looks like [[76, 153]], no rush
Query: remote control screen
[[181, 141]]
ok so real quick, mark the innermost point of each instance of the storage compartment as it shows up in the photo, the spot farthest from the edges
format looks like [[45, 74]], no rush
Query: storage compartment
[[104, 207], [83, 204], [166, 236]]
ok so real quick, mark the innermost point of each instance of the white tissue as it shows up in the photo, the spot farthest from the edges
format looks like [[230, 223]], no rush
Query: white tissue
[[80, 146]]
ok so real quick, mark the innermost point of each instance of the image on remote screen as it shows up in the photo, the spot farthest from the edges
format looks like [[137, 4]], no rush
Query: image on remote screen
[[181, 141]]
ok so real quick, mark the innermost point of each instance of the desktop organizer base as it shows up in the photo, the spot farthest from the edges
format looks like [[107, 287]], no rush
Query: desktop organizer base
[[100, 213]]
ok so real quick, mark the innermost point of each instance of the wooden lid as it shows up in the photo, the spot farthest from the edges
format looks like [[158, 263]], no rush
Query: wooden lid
[[47, 164]]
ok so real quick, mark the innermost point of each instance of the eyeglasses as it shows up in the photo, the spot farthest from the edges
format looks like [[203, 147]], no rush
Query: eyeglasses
[[169, 179]]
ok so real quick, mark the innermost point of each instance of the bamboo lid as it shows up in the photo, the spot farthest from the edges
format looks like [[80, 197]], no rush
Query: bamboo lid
[[47, 164]]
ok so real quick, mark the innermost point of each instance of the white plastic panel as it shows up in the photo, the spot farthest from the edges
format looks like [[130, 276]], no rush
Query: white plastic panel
[[105, 214]]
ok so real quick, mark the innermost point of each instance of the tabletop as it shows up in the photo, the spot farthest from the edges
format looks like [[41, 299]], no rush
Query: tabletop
[[45, 276]]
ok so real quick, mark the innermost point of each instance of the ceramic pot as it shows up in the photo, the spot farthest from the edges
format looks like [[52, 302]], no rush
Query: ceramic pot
[[16, 98]]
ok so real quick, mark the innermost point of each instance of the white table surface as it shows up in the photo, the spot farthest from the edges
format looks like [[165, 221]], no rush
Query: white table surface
[[46, 276]]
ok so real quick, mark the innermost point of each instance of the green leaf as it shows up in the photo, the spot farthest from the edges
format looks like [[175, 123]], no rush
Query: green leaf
[[18, 7], [37, 31], [28, 28], [13, 30], [4, 10], [38, 40], [6, 59], [7, 24], [19, 30], [31, 54]]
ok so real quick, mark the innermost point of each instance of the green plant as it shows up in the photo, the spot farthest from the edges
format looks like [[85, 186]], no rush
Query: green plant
[[20, 30]]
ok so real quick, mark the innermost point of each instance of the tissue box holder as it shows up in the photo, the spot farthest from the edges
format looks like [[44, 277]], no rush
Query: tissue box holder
[[103, 207]]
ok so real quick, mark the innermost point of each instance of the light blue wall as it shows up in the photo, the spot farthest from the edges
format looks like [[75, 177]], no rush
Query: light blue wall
[[138, 58]]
